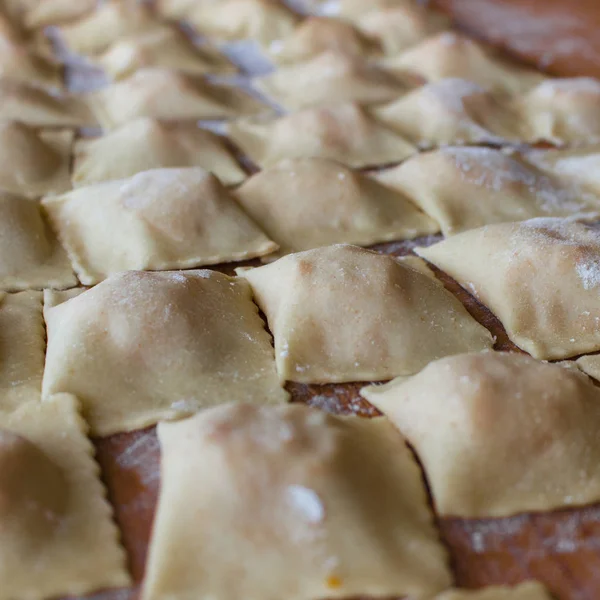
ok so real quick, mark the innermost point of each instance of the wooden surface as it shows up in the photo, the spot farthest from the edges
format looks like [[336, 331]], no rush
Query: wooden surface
[[561, 548]]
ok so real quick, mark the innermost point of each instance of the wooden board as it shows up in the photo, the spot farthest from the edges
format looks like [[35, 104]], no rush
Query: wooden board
[[561, 548]]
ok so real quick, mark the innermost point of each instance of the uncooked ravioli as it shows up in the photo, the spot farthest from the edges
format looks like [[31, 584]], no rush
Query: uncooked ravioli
[[20, 62], [399, 26], [156, 220], [342, 132], [166, 48], [329, 78], [111, 21], [578, 165], [22, 347], [450, 111], [499, 433], [562, 111], [145, 144], [53, 507], [268, 488], [342, 313], [316, 35], [169, 95], [450, 54], [513, 269], [142, 346], [466, 188], [309, 202], [30, 254], [56, 12], [20, 101], [33, 162], [264, 21]]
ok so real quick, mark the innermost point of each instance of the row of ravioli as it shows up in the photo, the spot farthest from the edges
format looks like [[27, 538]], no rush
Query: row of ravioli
[[267, 486], [338, 313], [472, 95], [128, 211]]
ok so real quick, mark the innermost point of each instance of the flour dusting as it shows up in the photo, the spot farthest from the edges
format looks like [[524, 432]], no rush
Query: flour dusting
[[142, 457], [589, 273], [306, 502]]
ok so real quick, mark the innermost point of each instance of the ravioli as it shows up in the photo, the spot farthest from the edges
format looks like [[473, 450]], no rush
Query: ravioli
[[451, 54], [499, 433], [142, 347], [562, 110], [294, 531], [450, 111], [329, 78], [20, 62], [164, 48], [22, 347], [343, 132], [264, 21], [96, 32], [53, 507], [466, 188], [308, 202], [55, 12], [156, 220], [342, 313], [31, 105], [316, 35], [145, 144], [399, 26], [31, 255], [169, 95], [34, 163], [513, 269]]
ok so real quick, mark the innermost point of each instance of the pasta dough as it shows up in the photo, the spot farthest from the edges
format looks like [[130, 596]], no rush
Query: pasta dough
[[165, 48], [308, 202], [316, 35], [146, 144], [34, 163], [53, 509], [513, 269], [33, 106], [265, 21], [141, 347], [498, 433], [397, 27], [343, 132], [341, 313], [268, 488], [108, 24], [156, 220], [22, 347], [330, 78], [530, 590], [563, 110], [465, 188], [169, 95], [450, 54], [31, 257], [449, 111]]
